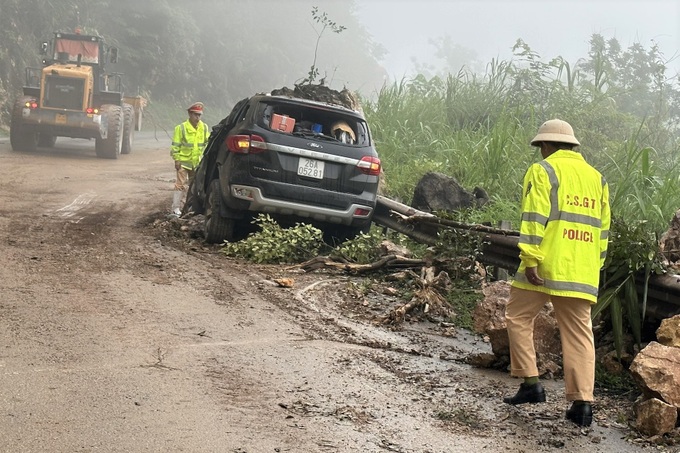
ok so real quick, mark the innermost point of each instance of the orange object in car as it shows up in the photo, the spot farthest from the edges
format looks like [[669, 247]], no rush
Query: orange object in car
[[282, 123]]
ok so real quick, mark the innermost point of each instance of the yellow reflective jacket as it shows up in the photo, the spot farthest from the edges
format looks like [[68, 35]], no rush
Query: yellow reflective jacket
[[565, 226], [188, 143]]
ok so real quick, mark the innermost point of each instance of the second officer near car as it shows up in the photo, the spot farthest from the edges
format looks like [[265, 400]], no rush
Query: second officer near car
[[188, 143]]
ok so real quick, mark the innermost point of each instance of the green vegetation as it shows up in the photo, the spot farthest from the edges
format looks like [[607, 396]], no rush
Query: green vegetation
[[633, 252], [274, 244], [365, 248], [325, 22]]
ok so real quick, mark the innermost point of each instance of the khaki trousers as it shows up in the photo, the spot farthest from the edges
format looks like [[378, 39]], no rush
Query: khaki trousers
[[183, 179], [576, 333]]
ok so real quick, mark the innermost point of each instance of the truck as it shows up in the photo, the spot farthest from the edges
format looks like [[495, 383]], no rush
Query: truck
[[73, 95]]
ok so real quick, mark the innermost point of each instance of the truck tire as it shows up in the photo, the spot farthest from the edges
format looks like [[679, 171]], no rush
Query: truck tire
[[19, 137], [217, 229], [128, 128], [110, 147]]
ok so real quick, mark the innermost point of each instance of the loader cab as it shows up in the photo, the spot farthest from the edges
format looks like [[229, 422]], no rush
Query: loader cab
[[74, 48]]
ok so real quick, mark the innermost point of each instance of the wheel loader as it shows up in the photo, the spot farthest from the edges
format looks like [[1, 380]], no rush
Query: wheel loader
[[73, 95]]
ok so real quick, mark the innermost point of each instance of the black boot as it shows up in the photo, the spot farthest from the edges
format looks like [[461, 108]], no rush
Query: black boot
[[527, 393], [581, 413]]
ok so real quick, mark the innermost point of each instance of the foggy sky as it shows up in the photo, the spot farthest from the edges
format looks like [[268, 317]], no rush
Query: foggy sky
[[491, 27]]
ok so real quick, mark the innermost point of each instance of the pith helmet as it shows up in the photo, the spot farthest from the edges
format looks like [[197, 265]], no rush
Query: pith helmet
[[555, 131], [343, 132]]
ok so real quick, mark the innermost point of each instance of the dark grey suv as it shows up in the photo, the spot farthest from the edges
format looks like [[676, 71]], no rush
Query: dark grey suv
[[296, 159]]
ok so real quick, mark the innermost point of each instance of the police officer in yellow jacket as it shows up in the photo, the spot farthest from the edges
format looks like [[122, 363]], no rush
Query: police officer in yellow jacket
[[188, 143], [563, 243]]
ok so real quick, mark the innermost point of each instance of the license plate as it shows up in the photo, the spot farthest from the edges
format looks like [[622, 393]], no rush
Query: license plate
[[60, 119], [310, 168]]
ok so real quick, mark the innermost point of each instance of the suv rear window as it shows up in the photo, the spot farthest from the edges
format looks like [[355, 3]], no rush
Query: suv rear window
[[305, 119]]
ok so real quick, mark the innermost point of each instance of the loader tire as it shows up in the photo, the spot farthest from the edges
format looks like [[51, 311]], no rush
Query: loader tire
[[128, 128], [110, 147]]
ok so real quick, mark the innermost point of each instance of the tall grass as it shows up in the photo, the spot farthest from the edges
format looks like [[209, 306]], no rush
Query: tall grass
[[477, 130]]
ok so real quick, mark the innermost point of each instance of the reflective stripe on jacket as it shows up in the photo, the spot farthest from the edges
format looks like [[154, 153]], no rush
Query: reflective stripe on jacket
[[565, 226], [188, 143]]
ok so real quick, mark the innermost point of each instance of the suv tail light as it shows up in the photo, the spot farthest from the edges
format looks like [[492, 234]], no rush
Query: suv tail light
[[246, 144], [369, 165], [362, 212]]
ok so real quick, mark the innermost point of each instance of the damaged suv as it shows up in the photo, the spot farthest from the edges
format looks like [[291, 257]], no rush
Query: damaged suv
[[298, 160]]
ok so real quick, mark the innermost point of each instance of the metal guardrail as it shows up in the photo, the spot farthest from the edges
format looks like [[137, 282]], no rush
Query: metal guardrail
[[500, 250]]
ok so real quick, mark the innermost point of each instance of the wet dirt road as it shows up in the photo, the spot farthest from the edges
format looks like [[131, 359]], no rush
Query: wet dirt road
[[119, 334]]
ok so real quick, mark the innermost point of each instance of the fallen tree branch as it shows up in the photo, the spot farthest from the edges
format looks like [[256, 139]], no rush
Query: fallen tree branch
[[387, 261], [394, 224]]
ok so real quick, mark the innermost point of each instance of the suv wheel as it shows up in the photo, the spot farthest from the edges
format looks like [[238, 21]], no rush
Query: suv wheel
[[216, 228]]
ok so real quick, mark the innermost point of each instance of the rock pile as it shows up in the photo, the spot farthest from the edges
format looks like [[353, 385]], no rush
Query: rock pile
[[656, 369]]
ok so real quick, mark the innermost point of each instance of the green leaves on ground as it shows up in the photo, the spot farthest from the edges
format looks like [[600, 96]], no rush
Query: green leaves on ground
[[273, 244]]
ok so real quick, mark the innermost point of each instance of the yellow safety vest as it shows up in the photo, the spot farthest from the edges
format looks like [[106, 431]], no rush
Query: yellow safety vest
[[188, 143], [565, 226]]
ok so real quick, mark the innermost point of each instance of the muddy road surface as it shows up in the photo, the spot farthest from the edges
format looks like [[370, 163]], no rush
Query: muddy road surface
[[120, 331]]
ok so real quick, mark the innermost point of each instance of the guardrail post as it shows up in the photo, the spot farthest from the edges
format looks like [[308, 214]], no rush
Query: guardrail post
[[498, 272]]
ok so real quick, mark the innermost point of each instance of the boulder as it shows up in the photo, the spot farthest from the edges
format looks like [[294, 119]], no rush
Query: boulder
[[439, 192], [668, 333], [489, 316], [656, 369], [654, 417], [482, 360], [489, 319]]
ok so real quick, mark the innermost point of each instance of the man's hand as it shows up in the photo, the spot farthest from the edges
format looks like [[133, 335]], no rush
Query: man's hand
[[532, 276], [178, 165]]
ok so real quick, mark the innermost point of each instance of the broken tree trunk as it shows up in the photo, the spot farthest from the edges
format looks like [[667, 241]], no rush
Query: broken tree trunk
[[427, 297], [386, 262]]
